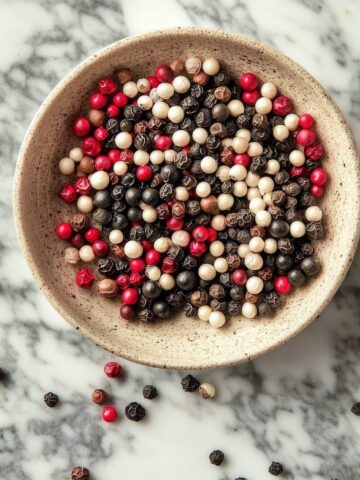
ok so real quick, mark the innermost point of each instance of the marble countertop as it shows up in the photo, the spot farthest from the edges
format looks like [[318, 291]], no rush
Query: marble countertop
[[292, 405]]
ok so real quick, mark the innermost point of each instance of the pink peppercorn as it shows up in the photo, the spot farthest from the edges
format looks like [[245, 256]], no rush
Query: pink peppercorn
[[81, 126], [314, 151], [84, 278], [169, 265], [101, 134], [297, 172], [146, 245], [175, 223], [92, 234], [154, 82], [109, 414], [282, 105], [242, 159], [123, 280], [306, 120], [113, 111], [164, 74], [317, 191], [200, 234], [102, 162], [106, 86], [113, 369], [120, 99], [77, 240], [100, 248], [197, 248], [136, 278], [144, 173], [282, 285], [212, 234], [97, 101], [127, 156], [163, 142], [137, 265], [318, 176], [64, 231], [152, 257], [305, 137], [248, 81], [239, 276], [250, 98], [82, 185], [91, 147], [67, 193], [114, 155], [129, 296]]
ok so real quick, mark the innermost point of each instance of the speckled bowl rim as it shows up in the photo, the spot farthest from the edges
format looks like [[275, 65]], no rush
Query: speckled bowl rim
[[151, 36]]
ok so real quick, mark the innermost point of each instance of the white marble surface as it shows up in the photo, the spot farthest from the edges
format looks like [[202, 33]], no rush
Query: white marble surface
[[292, 405]]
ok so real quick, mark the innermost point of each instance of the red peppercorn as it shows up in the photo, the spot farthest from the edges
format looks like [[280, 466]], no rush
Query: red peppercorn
[[163, 73], [250, 98], [100, 248], [197, 248], [92, 234], [91, 147], [109, 413], [248, 81], [123, 280], [317, 191], [129, 296], [212, 234], [67, 193], [84, 278], [112, 111], [153, 81], [106, 86], [282, 105], [103, 162], [163, 142], [242, 159], [297, 172], [120, 99], [186, 149], [64, 231], [282, 285], [146, 245], [152, 257], [137, 265], [113, 369], [169, 265], [101, 134], [306, 120], [114, 155], [127, 312], [175, 223], [81, 126], [315, 151], [318, 176], [239, 276], [97, 101], [127, 156], [200, 234], [136, 279], [77, 240], [82, 185], [144, 173], [305, 137]]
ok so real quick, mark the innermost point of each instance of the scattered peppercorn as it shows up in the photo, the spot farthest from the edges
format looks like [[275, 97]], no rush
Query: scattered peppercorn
[[135, 412], [51, 399], [99, 397], [356, 408], [189, 383], [80, 473], [276, 469], [150, 392], [216, 457]]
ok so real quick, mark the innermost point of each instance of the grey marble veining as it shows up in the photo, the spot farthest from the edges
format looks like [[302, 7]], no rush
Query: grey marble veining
[[293, 405]]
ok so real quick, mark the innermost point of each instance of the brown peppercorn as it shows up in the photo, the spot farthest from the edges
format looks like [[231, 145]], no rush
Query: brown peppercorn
[[260, 121], [80, 473], [87, 165], [223, 94], [177, 65], [234, 261], [117, 250], [178, 210], [250, 297], [218, 130], [265, 273], [278, 197], [226, 156], [141, 127], [99, 396], [71, 255], [199, 298], [193, 65], [163, 211], [217, 291], [108, 288], [79, 222], [124, 76], [96, 117], [201, 78], [257, 231], [210, 205], [231, 219]]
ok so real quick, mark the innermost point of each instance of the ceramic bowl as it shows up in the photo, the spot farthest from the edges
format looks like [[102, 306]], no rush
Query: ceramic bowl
[[180, 342]]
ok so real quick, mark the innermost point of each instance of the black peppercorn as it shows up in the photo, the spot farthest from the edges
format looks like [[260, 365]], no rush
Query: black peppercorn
[[273, 299], [284, 262], [51, 399], [203, 118], [315, 230], [118, 206], [189, 262], [264, 309], [356, 408], [189, 383], [161, 309], [102, 216], [106, 266], [216, 457], [135, 412], [134, 214], [233, 308], [310, 266], [279, 229], [220, 112], [119, 221], [151, 290], [102, 199], [186, 280], [150, 196], [133, 196], [150, 392], [145, 315], [296, 277], [190, 105], [190, 310], [244, 121], [276, 469]]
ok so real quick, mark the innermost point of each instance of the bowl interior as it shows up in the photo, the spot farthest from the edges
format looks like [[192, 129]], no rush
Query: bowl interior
[[180, 343]]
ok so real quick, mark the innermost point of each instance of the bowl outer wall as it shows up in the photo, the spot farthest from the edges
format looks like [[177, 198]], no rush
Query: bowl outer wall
[[181, 343]]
